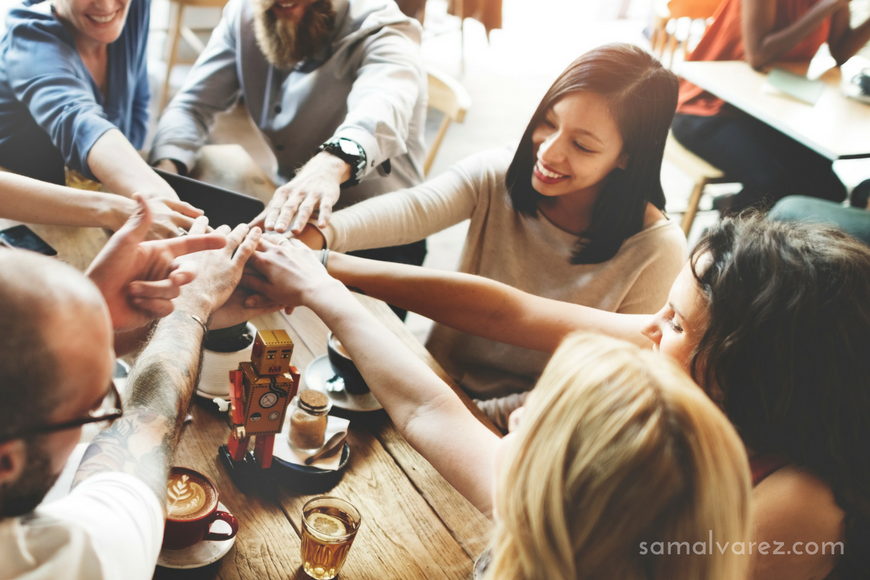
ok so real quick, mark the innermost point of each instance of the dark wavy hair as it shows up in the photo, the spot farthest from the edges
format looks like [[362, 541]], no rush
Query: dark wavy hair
[[788, 344], [642, 96]]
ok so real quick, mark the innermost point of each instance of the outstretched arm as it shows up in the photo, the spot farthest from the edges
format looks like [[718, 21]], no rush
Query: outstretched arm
[[143, 441], [211, 87], [480, 306], [764, 45], [425, 409]]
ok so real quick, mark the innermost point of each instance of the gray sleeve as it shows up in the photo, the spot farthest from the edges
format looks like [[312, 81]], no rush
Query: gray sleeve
[[212, 87], [408, 215], [388, 83]]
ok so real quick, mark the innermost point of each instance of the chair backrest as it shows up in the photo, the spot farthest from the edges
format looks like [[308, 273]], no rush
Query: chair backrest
[[447, 95], [694, 9]]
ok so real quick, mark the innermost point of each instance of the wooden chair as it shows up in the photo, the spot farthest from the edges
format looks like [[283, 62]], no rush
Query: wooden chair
[[699, 170], [447, 95], [177, 31], [670, 11]]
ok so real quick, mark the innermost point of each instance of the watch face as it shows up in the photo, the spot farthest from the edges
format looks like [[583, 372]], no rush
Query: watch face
[[268, 400], [349, 147]]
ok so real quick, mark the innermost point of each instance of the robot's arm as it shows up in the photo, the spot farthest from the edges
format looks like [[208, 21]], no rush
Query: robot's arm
[[236, 398]]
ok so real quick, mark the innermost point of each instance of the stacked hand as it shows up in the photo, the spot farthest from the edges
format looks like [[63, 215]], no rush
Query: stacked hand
[[139, 279], [316, 186], [287, 272], [170, 217], [216, 290]]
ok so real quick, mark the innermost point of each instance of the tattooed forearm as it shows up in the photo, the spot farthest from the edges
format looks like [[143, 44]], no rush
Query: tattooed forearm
[[143, 441], [140, 443]]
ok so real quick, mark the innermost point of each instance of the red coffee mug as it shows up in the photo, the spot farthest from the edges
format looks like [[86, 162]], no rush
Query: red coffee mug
[[185, 531]]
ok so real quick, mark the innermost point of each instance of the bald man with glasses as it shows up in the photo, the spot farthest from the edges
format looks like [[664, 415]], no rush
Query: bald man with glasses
[[58, 329]]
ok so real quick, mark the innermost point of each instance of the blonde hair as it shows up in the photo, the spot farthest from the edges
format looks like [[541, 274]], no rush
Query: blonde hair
[[617, 446]]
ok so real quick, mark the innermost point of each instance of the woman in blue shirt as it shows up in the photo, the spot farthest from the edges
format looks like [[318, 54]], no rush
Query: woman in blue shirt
[[74, 89]]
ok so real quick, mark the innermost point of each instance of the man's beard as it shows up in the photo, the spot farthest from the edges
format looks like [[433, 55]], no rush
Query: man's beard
[[285, 43], [23, 495]]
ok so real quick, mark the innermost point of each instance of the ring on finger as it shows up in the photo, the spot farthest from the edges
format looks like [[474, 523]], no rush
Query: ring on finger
[[182, 232]]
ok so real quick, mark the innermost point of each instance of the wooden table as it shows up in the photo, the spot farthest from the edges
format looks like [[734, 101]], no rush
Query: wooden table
[[836, 126], [415, 525]]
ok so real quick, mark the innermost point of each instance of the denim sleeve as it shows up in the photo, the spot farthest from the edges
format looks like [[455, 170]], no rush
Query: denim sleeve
[[43, 78]]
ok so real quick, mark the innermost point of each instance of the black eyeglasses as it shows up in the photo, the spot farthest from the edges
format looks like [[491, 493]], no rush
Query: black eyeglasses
[[109, 410]]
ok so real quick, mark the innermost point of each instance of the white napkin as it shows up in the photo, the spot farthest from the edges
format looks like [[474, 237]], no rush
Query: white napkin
[[283, 450]]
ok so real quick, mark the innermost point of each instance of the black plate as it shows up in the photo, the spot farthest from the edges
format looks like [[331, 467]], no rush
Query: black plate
[[307, 479]]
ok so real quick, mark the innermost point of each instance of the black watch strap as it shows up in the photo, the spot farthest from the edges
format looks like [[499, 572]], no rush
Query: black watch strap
[[351, 153]]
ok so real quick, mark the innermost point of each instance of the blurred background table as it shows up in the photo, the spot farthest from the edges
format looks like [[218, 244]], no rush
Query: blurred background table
[[836, 126]]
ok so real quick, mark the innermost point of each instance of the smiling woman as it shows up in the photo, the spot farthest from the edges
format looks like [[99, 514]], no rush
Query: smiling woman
[[74, 90], [576, 216]]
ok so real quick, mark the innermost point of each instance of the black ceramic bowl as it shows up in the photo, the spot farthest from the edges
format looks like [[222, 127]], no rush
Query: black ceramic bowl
[[344, 367], [307, 479]]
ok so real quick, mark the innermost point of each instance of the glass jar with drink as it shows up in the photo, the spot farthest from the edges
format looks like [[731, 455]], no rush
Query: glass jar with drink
[[329, 526]]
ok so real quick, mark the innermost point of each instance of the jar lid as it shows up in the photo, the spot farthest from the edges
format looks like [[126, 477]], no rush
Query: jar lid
[[312, 400]]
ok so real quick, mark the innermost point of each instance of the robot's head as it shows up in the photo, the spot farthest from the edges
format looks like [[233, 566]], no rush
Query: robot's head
[[272, 352]]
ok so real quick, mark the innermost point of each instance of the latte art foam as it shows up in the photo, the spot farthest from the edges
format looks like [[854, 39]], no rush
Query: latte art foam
[[188, 497]]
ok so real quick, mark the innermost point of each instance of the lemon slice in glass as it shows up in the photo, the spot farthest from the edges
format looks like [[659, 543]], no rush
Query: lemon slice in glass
[[327, 525]]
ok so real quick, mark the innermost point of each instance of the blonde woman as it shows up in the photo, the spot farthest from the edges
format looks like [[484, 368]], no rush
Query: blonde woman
[[617, 465]]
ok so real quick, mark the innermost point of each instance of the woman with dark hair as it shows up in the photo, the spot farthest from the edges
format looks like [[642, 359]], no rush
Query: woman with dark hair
[[575, 215], [772, 319]]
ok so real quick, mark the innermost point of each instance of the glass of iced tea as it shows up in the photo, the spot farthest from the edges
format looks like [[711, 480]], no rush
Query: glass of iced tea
[[329, 526]]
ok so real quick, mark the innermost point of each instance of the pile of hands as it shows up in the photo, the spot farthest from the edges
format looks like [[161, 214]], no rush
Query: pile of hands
[[229, 275]]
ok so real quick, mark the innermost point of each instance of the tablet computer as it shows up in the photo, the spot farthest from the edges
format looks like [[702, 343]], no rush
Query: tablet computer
[[221, 206]]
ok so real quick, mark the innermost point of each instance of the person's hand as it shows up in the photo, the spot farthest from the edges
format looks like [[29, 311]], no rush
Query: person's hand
[[139, 279], [167, 165], [169, 218], [288, 273], [237, 310], [316, 186], [218, 272]]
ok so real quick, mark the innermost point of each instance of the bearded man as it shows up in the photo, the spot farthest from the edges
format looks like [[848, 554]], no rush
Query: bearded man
[[337, 88]]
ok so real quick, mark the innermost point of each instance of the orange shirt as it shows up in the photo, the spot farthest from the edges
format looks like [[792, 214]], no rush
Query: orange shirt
[[723, 40]]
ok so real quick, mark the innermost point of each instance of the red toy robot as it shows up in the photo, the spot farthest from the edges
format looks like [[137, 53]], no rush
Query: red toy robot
[[260, 392]]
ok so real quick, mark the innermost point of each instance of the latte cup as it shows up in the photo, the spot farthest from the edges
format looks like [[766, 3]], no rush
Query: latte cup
[[192, 507]]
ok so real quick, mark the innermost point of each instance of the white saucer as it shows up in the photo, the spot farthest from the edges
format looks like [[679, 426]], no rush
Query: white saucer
[[201, 554], [320, 371]]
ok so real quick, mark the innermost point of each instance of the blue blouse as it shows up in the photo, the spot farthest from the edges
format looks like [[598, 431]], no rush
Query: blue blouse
[[45, 86]]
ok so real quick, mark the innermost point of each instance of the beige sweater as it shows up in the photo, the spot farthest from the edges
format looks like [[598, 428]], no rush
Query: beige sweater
[[528, 253]]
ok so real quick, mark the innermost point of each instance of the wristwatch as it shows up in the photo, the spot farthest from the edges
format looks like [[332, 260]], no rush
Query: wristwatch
[[351, 153]]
